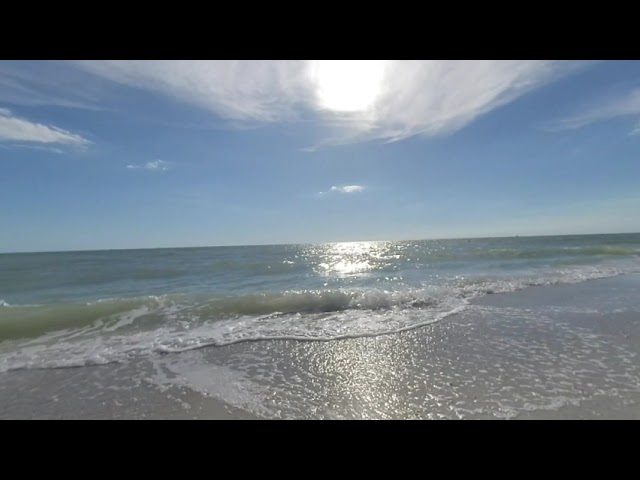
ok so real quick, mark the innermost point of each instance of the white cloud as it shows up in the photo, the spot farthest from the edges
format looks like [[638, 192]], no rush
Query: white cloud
[[158, 165], [605, 109], [343, 189], [408, 98], [14, 129], [636, 130], [349, 189]]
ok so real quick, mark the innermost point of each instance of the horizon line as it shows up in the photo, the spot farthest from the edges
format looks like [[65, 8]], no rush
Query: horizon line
[[314, 243]]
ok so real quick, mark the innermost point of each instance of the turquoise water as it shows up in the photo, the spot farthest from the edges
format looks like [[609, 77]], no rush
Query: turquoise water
[[93, 307]]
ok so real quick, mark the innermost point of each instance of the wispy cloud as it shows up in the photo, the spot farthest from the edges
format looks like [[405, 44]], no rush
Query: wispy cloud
[[30, 83], [157, 165], [343, 189], [32, 146], [239, 90], [14, 129], [409, 97], [619, 105], [440, 97], [636, 130]]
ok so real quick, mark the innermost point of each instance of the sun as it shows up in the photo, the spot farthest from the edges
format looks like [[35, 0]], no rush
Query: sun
[[347, 85]]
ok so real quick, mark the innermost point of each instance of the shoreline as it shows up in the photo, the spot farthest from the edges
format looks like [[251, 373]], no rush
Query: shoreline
[[550, 352]]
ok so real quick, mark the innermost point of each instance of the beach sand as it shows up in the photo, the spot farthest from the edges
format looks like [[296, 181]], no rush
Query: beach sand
[[556, 352]]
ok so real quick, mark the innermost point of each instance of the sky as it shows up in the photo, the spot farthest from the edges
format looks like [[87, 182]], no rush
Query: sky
[[145, 154]]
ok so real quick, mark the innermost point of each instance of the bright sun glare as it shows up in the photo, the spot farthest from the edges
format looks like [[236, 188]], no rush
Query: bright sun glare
[[348, 85]]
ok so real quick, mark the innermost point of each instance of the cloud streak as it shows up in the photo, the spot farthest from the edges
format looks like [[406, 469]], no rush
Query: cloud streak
[[605, 109], [154, 165], [413, 97], [50, 83], [14, 129]]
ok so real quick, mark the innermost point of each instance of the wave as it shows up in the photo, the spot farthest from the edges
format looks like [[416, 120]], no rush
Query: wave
[[112, 330], [568, 253], [603, 250], [27, 321]]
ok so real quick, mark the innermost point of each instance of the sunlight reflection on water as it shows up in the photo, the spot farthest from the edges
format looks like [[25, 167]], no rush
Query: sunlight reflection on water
[[349, 258]]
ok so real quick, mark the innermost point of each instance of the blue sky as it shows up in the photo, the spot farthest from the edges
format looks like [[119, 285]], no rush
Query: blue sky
[[126, 154]]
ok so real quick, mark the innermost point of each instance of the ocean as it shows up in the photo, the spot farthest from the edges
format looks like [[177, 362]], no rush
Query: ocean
[[123, 307]]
